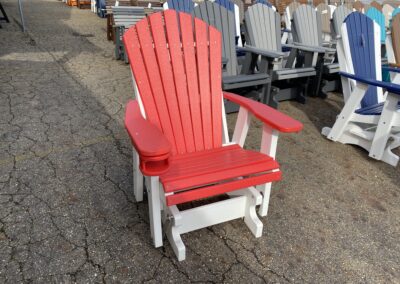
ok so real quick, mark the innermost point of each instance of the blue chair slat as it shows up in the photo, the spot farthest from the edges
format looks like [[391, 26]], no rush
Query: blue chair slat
[[379, 18], [227, 4], [186, 6], [361, 34]]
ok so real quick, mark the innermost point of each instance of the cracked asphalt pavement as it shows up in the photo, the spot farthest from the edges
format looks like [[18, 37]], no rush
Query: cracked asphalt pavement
[[67, 211]]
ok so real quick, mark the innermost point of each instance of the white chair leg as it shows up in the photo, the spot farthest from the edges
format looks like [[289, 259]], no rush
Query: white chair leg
[[269, 143], [173, 234], [384, 128], [153, 193], [265, 190], [250, 217], [137, 178], [347, 112]]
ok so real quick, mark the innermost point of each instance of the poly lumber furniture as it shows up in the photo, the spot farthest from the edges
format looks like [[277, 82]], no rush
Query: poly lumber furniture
[[367, 118], [288, 16], [358, 6], [178, 130], [124, 17], [186, 6], [376, 5], [263, 33], [387, 11], [393, 42], [306, 30], [379, 18], [338, 17], [232, 7], [234, 75], [325, 12]]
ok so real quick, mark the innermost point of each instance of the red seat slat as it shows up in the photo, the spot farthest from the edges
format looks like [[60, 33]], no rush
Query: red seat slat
[[209, 191], [194, 170]]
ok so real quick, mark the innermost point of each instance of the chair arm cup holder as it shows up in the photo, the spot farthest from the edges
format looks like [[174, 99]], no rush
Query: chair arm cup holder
[[266, 114], [149, 142]]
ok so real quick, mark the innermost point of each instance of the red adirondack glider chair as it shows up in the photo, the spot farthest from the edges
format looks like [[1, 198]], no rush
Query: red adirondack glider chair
[[179, 133]]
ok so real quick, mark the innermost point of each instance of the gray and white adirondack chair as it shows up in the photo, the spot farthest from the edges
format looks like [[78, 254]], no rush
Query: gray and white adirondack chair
[[234, 76], [306, 30], [287, 35], [338, 17], [124, 18], [263, 32]]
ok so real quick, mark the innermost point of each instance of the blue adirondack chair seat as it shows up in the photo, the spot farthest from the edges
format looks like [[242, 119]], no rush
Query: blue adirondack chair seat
[[362, 47], [227, 4], [186, 6], [379, 18]]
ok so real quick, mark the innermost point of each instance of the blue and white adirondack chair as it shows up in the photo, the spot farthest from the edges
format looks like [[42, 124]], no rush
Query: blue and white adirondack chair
[[368, 119], [186, 6], [231, 6]]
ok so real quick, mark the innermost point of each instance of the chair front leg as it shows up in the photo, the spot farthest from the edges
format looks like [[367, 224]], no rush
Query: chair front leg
[[269, 143], [153, 193], [389, 118], [347, 113], [137, 178]]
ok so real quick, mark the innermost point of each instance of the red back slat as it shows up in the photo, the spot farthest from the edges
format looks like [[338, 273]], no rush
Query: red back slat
[[176, 62], [215, 75], [204, 79], [133, 50], [189, 53], [157, 28], [175, 48], [153, 72]]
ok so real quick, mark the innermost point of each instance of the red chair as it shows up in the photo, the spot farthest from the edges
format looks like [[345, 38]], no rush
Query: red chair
[[178, 129]]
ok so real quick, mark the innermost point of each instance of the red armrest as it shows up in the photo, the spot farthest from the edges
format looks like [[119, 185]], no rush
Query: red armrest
[[150, 143], [266, 114]]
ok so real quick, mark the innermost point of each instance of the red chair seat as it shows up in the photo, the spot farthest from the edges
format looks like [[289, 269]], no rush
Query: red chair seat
[[212, 172]]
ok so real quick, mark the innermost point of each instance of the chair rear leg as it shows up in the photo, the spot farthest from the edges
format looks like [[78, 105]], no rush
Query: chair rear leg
[[265, 190]]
